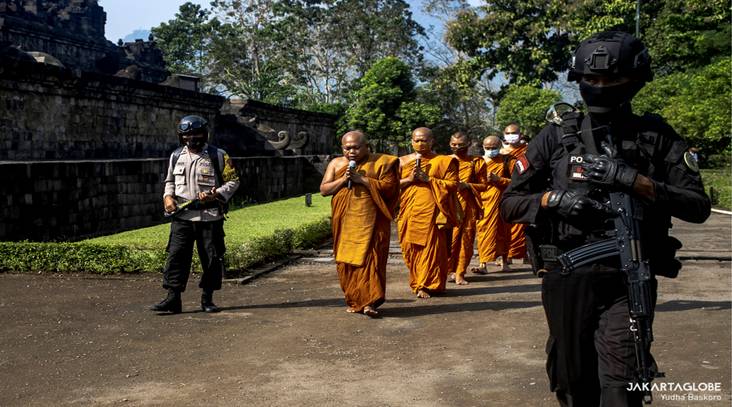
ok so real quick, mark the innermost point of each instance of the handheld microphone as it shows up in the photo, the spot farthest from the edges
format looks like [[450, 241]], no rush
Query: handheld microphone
[[351, 166]]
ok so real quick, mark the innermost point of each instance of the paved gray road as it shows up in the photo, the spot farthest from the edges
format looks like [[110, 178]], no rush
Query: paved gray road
[[285, 339]]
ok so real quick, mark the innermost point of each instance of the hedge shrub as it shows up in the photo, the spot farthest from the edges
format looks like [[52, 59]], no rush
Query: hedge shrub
[[143, 250]]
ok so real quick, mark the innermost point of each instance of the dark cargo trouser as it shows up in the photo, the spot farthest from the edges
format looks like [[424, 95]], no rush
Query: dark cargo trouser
[[591, 354], [209, 239]]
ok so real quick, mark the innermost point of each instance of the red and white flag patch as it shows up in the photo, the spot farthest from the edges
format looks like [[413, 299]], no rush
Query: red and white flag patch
[[522, 164]]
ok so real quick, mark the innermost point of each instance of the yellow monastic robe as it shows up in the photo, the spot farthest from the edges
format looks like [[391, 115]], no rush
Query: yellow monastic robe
[[361, 230], [463, 236], [427, 212], [493, 233], [517, 247]]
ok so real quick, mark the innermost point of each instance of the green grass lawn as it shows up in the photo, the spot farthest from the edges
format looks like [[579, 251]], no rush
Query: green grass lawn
[[721, 180], [254, 234], [241, 226]]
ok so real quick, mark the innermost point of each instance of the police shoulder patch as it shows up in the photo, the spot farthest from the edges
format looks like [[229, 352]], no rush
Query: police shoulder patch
[[522, 164], [690, 162]]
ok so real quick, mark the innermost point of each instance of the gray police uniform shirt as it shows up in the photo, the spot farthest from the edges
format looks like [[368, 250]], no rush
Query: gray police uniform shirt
[[194, 173]]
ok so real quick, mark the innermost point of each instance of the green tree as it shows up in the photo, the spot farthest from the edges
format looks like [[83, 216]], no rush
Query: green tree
[[254, 52], [185, 39], [301, 53], [466, 103], [696, 104], [531, 41], [527, 106], [368, 30], [385, 105], [521, 39], [687, 34], [341, 39]]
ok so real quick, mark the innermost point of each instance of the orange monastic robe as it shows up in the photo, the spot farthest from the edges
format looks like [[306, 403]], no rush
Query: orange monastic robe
[[463, 236], [427, 212], [493, 233], [517, 248], [361, 230]]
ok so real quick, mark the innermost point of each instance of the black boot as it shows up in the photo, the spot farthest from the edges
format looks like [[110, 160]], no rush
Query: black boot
[[207, 304], [171, 303]]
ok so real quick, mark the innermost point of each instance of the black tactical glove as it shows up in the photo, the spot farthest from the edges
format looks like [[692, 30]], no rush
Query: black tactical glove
[[571, 204], [608, 171]]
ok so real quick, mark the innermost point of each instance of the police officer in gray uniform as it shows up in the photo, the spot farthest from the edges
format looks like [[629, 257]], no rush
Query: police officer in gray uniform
[[200, 180], [563, 184]]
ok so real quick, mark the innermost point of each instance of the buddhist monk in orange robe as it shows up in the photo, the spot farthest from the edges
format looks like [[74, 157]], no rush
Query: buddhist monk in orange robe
[[463, 236], [365, 189], [493, 233], [515, 147], [428, 209]]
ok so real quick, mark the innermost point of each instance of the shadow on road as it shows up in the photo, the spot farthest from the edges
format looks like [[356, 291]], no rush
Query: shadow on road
[[420, 310], [319, 302], [460, 292], [681, 305], [499, 277]]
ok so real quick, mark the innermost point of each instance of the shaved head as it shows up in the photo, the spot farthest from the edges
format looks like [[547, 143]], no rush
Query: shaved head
[[492, 142], [355, 145], [459, 144], [512, 128], [356, 136], [422, 131], [459, 136]]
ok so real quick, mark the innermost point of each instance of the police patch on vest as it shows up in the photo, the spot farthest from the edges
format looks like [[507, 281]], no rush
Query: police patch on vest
[[522, 164], [690, 162], [576, 172]]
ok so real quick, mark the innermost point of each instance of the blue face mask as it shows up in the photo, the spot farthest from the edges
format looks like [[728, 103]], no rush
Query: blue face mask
[[491, 153]]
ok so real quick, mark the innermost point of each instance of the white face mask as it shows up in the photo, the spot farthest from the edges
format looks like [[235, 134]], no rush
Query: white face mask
[[512, 138], [491, 153]]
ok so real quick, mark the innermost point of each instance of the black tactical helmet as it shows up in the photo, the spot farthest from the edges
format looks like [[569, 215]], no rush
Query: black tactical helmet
[[612, 53], [624, 63], [192, 124]]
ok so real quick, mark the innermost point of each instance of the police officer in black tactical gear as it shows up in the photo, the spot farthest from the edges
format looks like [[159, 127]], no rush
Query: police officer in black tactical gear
[[562, 185], [200, 180]]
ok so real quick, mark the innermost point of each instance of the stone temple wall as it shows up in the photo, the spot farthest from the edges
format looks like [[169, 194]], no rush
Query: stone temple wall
[[70, 30], [86, 128], [72, 200], [84, 154], [50, 113]]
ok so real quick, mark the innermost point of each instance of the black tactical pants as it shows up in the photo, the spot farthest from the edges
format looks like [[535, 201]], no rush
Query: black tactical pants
[[209, 239], [591, 354]]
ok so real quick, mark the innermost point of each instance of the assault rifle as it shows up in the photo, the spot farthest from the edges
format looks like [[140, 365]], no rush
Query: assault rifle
[[193, 204], [626, 243], [638, 273]]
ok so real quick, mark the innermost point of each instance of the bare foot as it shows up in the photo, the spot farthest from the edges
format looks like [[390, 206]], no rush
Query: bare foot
[[479, 270], [370, 312], [351, 310], [451, 278], [461, 281], [422, 294], [499, 261], [505, 268]]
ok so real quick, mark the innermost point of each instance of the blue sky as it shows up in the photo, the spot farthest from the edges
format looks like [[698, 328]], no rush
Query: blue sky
[[126, 16]]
